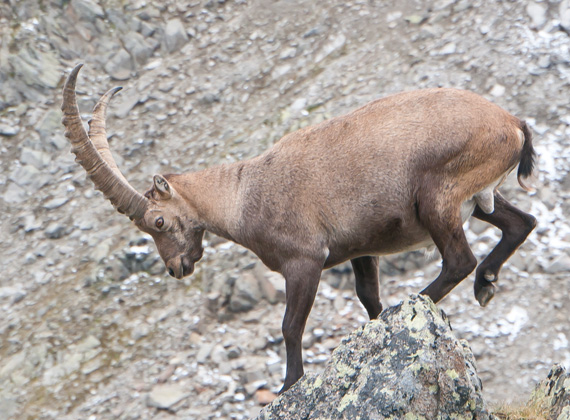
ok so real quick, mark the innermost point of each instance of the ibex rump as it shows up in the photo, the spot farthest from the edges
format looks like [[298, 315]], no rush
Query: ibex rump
[[398, 174]]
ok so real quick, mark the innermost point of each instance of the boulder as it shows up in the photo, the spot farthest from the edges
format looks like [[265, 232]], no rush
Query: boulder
[[552, 395], [407, 364]]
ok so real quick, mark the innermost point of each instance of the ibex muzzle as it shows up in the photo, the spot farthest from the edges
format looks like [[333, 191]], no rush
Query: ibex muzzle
[[397, 174]]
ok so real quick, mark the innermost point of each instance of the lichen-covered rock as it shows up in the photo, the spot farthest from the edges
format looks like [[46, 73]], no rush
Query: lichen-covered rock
[[553, 394], [407, 364]]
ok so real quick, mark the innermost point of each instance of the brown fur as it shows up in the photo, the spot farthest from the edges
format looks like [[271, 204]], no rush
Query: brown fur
[[391, 176]]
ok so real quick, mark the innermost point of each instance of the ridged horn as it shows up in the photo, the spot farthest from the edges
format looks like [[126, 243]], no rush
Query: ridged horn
[[99, 165], [98, 132]]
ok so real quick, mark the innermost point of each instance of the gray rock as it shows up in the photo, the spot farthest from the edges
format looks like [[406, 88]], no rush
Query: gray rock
[[139, 48], [55, 203], [28, 176], [175, 36], [36, 68], [8, 406], [14, 194], [334, 44], [553, 394], [55, 230], [164, 396], [537, 14], [120, 66], [246, 293], [204, 352], [564, 11], [560, 264], [8, 130], [36, 158], [87, 10], [49, 128], [407, 364]]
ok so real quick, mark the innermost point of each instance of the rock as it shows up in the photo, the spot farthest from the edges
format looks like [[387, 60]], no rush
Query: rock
[[49, 129], [29, 176], [204, 352], [335, 43], [8, 130], [8, 407], [564, 11], [246, 293], [138, 47], [560, 264], [175, 35], [55, 202], [14, 194], [407, 364], [553, 394], [120, 65], [498, 90], [55, 230], [164, 396], [87, 10], [272, 286], [36, 158], [537, 14], [448, 49], [36, 68], [264, 396]]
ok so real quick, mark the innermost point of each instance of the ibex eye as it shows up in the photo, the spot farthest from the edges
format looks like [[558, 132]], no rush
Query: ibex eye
[[159, 222]]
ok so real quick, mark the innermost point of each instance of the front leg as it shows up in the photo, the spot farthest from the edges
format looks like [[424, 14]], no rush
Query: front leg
[[301, 283]]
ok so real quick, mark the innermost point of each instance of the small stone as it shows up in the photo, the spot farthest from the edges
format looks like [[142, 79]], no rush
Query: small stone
[[49, 125], [560, 264], [164, 396], [288, 53], [140, 331], [120, 65], [55, 203], [8, 130], [138, 47], [498, 90], [36, 158], [335, 43], [175, 36], [537, 14], [204, 352], [87, 10], [416, 19], [448, 49], [564, 11], [264, 396], [55, 230], [246, 293], [13, 194]]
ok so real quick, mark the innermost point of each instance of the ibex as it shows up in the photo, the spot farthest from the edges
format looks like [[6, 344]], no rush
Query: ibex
[[398, 174]]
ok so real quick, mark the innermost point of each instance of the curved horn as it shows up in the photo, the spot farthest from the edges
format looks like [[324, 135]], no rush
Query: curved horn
[[98, 132], [105, 176]]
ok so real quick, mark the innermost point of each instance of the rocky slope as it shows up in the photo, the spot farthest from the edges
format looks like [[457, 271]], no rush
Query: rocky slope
[[92, 327]]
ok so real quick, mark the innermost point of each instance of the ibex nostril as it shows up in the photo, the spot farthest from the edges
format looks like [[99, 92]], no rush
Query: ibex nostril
[[171, 272]]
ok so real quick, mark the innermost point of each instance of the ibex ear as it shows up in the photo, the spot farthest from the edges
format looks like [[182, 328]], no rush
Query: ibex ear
[[162, 187]]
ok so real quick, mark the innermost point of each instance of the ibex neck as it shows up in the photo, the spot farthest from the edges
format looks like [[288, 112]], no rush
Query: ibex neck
[[214, 194]]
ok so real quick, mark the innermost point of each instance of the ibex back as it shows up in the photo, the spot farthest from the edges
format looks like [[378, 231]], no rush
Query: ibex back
[[398, 174]]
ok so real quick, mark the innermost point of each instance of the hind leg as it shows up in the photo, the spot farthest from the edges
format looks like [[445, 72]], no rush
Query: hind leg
[[515, 226], [366, 273], [446, 230]]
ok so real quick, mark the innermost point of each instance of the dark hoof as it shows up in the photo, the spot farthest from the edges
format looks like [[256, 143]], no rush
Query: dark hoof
[[485, 294]]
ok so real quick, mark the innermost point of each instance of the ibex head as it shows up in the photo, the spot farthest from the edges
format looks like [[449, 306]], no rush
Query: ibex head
[[161, 212]]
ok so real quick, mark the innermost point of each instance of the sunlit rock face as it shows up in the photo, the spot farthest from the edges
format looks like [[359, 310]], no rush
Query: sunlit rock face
[[407, 364]]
